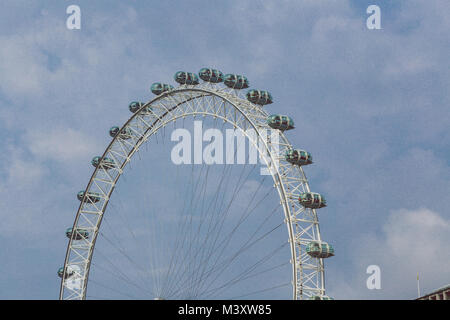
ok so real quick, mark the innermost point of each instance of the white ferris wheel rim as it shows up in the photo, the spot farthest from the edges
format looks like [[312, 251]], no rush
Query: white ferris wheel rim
[[304, 284]]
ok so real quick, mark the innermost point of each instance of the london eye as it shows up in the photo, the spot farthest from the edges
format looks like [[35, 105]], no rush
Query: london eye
[[198, 230]]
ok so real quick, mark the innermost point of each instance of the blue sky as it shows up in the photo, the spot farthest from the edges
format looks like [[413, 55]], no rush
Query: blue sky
[[370, 105]]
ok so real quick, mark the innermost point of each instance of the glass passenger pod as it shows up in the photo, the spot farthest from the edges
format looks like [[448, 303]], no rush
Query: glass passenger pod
[[79, 234], [235, 81], [124, 134], [210, 75], [260, 97], [280, 122], [320, 298], [158, 88], [189, 78], [69, 272], [312, 200], [91, 197], [135, 106], [106, 163], [317, 249], [298, 157]]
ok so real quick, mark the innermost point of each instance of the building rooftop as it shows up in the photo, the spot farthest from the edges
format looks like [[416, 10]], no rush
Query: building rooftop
[[442, 293]]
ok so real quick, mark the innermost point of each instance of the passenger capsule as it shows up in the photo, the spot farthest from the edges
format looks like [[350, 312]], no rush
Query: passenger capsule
[[260, 97], [183, 77], [235, 81], [90, 197], [158, 88], [317, 249], [312, 200], [79, 234], [280, 122], [69, 272], [210, 75], [320, 298], [298, 157], [135, 106], [125, 134], [104, 163]]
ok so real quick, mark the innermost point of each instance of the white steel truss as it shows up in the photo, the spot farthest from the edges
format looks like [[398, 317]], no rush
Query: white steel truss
[[220, 103]]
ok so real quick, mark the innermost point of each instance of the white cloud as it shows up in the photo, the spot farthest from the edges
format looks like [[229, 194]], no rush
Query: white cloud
[[19, 170], [24, 172], [410, 241], [63, 145], [22, 66]]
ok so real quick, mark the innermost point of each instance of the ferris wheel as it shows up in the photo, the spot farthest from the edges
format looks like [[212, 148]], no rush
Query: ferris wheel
[[223, 238]]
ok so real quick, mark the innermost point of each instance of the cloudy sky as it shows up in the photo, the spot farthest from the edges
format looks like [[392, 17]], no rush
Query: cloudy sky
[[370, 105]]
